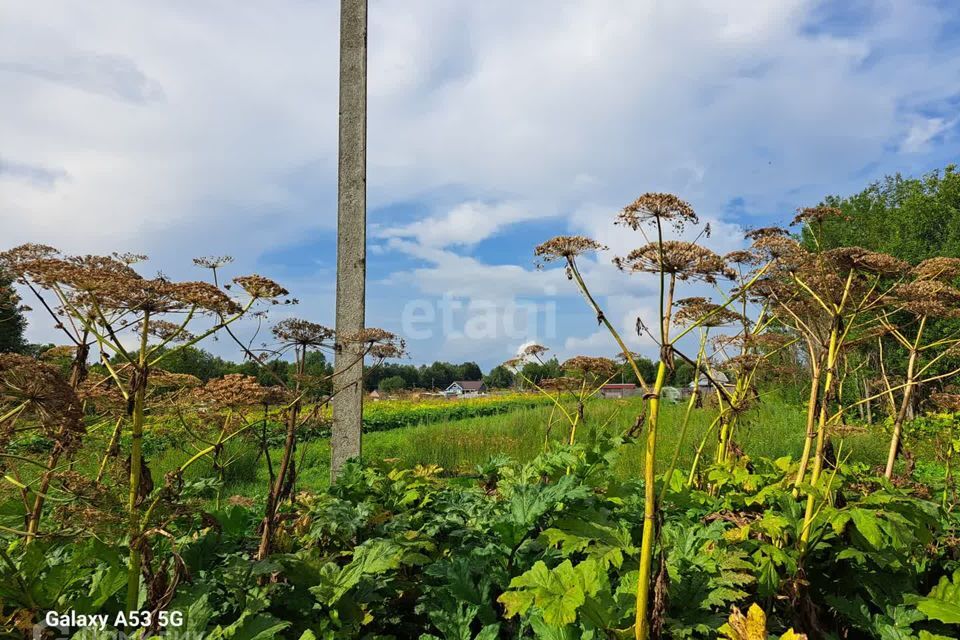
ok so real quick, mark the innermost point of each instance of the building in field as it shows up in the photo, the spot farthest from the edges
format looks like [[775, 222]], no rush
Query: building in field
[[619, 390], [466, 388]]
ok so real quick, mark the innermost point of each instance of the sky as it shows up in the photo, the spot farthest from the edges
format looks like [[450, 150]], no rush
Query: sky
[[183, 129]]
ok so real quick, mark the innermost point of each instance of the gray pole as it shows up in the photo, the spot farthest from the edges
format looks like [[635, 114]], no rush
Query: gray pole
[[351, 232]]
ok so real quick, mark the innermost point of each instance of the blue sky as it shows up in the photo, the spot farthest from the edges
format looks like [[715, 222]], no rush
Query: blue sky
[[184, 129]]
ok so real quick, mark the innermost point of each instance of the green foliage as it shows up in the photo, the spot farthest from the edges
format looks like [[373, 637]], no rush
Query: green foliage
[[392, 384], [12, 321], [499, 378]]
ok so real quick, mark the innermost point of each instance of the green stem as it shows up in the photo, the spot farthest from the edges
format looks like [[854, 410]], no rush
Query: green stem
[[136, 463], [642, 625]]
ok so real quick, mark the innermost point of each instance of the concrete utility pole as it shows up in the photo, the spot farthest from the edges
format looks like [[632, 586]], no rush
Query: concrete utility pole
[[351, 233]]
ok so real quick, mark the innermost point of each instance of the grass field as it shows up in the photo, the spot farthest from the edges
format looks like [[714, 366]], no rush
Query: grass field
[[772, 430]]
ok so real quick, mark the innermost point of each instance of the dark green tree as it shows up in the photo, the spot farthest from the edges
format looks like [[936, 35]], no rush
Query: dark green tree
[[12, 321], [392, 384], [499, 378]]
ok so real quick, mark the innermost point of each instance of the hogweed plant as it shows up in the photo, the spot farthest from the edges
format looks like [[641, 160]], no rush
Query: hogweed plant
[[671, 261], [928, 296], [105, 298]]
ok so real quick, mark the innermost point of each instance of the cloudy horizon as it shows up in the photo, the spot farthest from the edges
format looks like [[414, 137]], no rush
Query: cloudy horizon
[[186, 129]]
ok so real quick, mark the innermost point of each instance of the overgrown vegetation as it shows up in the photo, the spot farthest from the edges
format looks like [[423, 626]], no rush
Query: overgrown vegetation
[[632, 518]]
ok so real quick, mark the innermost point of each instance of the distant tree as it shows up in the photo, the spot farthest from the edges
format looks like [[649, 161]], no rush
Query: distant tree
[[536, 372], [12, 321], [469, 371], [392, 384], [197, 362], [499, 378], [682, 374], [646, 366]]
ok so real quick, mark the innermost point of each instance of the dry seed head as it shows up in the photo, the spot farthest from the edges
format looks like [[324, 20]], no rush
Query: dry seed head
[[815, 215], [940, 268], [588, 367], [204, 295], [779, 247], [766, 232], [232, 390], [560, 384], [565, 247], [926, 298], [707, 314], [212, 262], [303, 333], [743, 258], [378, 343], [166, 331], [533, 351], [259, 287], [513, 364], [60, 351], [946, 401], [47, 396], [651, 207], [687, 260], [161, 379], [865, 261]]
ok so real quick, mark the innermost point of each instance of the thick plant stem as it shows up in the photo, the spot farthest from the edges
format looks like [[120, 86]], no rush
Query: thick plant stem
[[283, 480], [810, 423], [642, 626], [904, 404], [136, 465], [821, 433]]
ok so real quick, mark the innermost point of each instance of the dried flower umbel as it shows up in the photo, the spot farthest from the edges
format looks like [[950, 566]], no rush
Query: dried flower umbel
[[684, 260], [656, 208], [700, 311], [565, 248]]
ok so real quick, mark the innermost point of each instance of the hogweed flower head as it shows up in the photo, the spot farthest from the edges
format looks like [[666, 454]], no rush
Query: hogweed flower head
[[697, 310], [565, 248], [651, 208], [260, 287], [686, 260], [926, 298], [940, 268], [212, 262], [590, 368], [47, 398], [865, 261], [232, 390], [379, 343], [304, 333], [816, 215]]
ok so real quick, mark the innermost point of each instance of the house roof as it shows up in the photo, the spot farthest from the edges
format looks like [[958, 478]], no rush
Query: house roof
[[719, 376], [620, 385], [469, 385]]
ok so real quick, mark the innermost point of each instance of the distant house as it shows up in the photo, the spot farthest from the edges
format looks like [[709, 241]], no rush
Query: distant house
[[375, 395], [619, 390], [461, 388], [704, 386]]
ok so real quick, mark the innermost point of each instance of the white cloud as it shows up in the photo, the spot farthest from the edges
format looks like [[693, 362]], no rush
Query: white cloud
[[923, 131], [465, 224], [178, 129]]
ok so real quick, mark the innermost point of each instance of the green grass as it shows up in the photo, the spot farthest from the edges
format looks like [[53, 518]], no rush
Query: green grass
[[772, 430]]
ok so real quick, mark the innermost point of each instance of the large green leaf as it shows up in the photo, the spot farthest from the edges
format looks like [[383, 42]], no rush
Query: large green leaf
[[943, 602]]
